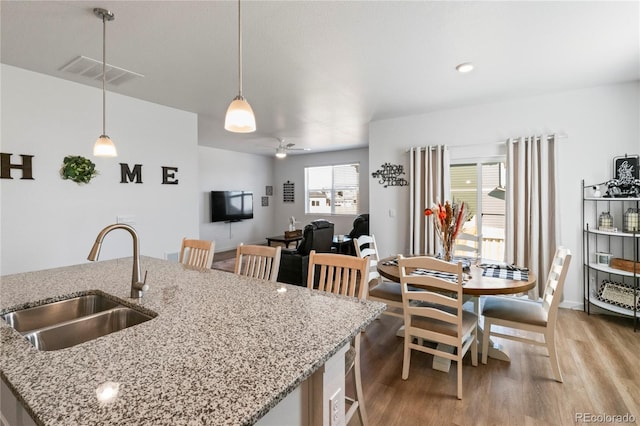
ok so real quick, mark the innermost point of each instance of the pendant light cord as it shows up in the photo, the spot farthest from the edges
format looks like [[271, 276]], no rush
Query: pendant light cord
[[239, 52], [104, 76]]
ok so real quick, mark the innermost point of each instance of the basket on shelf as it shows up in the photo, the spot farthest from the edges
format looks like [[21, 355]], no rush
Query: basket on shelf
[[619, 294]]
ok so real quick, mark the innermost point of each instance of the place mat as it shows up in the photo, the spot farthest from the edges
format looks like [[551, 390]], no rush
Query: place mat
[[466, 262], [444, 275], [507, 272]]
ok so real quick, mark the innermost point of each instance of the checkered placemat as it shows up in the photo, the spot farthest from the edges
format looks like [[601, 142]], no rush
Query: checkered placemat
[[507, 272], [444, 275]]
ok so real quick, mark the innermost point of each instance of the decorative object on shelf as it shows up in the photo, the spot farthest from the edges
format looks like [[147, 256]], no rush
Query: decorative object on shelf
[[268, 190], [625, 265], [605, 222], [292, 223], [603, 258], [288, 192], [104, 146], [447, 220], [388, 175], [596, 191], [631, 220], [619, 294], [626, 181], [78, 169], [265, 201]]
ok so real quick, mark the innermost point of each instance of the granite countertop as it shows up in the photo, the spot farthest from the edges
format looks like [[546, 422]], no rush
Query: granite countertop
[[223, 349]]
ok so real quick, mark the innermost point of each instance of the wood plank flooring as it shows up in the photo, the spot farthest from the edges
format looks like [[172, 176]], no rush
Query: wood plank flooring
[[599, 358]]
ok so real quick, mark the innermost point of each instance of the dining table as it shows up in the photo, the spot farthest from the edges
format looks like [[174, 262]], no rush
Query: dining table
[[476, 284]]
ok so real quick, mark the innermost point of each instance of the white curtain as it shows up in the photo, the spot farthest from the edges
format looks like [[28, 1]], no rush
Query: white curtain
[[429, 183], [532, 210]]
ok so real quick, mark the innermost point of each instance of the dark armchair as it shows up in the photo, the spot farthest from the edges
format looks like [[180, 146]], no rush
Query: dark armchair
[[360, 226], [318, 236]]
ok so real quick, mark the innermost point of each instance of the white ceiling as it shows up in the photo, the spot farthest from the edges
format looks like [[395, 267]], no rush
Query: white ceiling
[[317, 72]]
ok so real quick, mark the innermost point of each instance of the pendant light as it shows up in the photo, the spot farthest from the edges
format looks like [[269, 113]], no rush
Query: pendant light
[[104, 146], [240, 118]]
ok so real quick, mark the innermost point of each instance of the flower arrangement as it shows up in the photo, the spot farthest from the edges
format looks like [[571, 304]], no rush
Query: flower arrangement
[[448, 220]]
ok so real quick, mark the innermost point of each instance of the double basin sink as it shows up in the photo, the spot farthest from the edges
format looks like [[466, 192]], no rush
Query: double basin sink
[[72, 321]]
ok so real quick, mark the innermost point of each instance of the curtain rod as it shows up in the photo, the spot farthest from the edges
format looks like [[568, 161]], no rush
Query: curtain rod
[[558, 136]]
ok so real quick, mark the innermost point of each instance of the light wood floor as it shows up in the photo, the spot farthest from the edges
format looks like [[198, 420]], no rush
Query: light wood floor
[[599, 358]]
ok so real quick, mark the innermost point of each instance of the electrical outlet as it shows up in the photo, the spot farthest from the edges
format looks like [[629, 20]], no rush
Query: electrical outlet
[[336, 409]]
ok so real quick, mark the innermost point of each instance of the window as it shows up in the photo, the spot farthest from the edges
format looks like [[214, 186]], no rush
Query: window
[[481, 187], [332, 189]]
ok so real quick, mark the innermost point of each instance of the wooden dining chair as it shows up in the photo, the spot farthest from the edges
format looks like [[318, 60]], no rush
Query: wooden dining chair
[[528, 315], [432, 303], [197, 253], [380, 289], [348, 276], [258, 261]]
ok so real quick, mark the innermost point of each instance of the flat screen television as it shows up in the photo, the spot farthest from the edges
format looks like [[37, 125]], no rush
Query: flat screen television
[[231, 206]]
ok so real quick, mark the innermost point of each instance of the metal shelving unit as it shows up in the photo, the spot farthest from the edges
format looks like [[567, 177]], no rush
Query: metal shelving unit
[[625, 245]]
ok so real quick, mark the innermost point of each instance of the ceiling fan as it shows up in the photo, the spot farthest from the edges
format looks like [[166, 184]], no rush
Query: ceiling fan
[[283, 149]]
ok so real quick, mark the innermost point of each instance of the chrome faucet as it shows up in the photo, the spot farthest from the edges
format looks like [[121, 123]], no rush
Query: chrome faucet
[[137, 286]]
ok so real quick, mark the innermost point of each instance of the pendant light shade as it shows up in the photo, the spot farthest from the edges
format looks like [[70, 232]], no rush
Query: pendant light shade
[[104, 146], [240, 117]]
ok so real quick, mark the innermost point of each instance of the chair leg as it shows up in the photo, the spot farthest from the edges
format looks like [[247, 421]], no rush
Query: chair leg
[[358, 384], [459, 362], [407, 356], [474, 347], [485, 339], [550, 340]]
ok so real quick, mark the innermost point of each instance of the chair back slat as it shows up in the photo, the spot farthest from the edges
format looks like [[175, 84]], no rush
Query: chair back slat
[[197, 253], [555, 282], [366, 247], [338, 274], [256, 261]]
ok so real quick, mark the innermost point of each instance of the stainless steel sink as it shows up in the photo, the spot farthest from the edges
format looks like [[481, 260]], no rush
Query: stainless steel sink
[[82, 330], [58, 312], [69, 322]]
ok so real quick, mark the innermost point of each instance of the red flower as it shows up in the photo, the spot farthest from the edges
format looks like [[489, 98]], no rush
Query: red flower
[[428, 212]]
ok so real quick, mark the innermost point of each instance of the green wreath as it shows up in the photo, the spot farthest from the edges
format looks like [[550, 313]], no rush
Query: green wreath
[[78, 169]]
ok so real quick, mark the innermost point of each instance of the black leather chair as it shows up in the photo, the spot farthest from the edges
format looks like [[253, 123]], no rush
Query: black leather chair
[[360, 226], [294, 264]]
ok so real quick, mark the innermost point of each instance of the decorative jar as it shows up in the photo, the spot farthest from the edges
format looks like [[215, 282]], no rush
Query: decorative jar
[[605, 221], [631, 220]]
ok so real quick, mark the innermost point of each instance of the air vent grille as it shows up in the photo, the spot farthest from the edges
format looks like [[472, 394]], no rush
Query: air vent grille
[[92, 68]]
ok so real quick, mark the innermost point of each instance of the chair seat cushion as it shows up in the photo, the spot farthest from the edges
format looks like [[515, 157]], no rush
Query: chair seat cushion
[[468, 320], [511, 309], [387, 290]]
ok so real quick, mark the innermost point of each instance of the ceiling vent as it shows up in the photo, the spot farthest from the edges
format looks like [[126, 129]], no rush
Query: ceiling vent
[[91, 68]]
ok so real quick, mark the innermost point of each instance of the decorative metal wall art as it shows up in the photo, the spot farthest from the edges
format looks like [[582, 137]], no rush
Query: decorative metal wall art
[[389, 175], [288, 192]]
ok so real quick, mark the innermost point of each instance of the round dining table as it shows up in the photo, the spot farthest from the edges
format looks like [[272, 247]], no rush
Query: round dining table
[[474, 286]]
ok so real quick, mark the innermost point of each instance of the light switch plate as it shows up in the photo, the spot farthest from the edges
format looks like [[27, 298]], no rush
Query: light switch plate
[[336, 409]]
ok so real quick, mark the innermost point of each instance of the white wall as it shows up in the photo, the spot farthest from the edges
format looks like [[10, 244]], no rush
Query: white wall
[[291, 169], [221, 170], [601, 123], [49, 222]]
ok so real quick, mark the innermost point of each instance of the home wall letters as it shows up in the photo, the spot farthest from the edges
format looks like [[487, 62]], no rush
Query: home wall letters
[[127, 174]]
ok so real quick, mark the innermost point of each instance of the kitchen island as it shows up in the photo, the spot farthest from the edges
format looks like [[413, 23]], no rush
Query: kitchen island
[[222, 350]]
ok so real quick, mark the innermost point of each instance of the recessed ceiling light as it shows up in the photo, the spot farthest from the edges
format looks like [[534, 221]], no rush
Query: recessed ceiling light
[[465, 67]]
